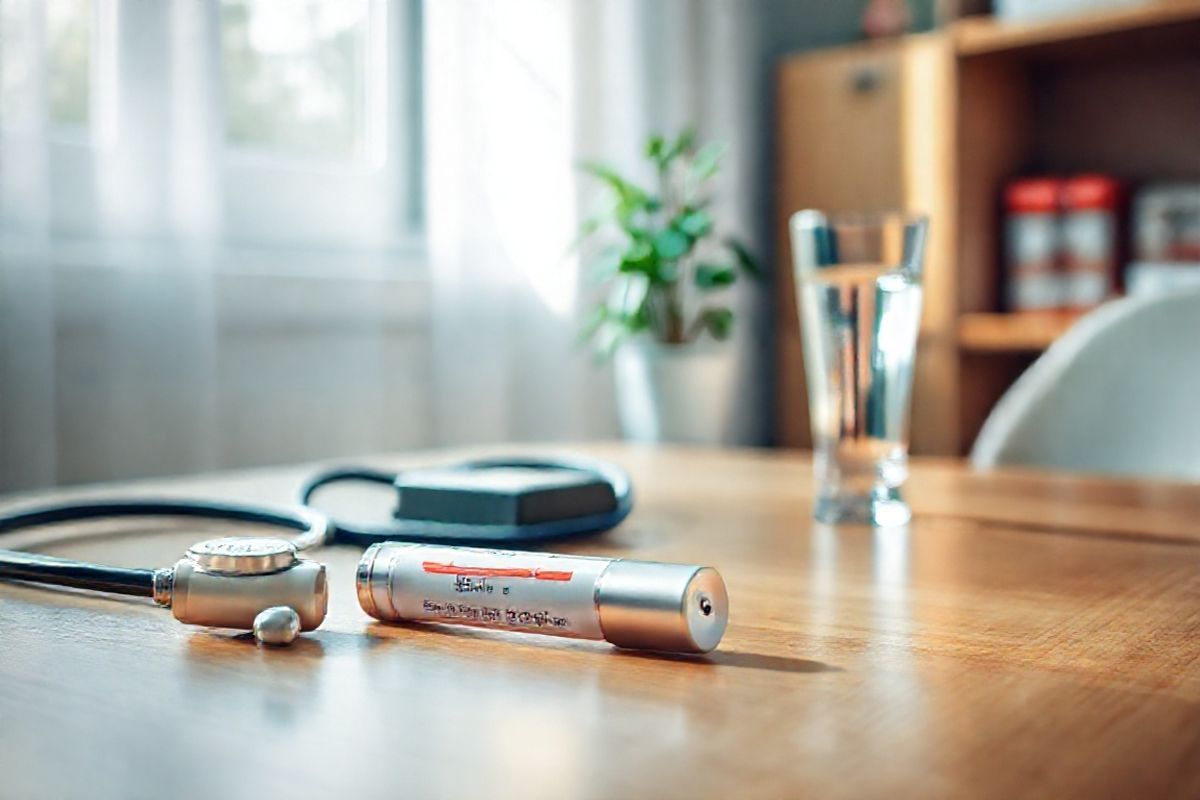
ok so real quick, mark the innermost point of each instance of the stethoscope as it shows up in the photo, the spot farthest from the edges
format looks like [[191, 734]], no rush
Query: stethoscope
[[422, 530], [263, 584]]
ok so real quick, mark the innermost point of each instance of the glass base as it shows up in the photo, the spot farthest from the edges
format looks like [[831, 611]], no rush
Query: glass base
[[883, 509]]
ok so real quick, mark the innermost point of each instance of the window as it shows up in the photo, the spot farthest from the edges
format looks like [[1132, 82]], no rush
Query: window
[[320, 121], [69, 25], [16, 59], [52, 57], [298, 121], [295, 76]]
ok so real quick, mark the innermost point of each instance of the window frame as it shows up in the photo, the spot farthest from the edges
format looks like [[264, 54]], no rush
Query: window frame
[[271, 206], [100, 127], [383, 179]]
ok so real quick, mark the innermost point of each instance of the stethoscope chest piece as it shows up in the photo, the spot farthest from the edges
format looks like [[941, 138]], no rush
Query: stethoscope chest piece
[[232, 582], [243, 555]]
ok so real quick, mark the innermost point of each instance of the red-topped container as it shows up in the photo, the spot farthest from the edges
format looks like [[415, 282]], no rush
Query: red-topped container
[[1032, 243], [1089, 239]]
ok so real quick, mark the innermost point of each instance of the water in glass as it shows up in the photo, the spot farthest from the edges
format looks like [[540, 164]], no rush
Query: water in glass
[[859, 299]]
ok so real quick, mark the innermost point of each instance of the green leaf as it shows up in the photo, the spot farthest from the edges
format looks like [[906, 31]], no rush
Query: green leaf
[[671, 243], [628, 296], [637, 233], [608, 338], [718, 322], [627, 192], [683, 144], [638, 257], [695, 223], [707, 161], [586, 229], [628, 208], [746, 261], [607, 264], [606, 174], [714, 276], [662, 153], [654, 147]]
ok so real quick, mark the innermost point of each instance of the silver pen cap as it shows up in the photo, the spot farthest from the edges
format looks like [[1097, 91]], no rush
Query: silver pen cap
[[654, 606]]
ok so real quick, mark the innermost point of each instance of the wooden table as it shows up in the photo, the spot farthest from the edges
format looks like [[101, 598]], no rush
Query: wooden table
[[1027, 635]]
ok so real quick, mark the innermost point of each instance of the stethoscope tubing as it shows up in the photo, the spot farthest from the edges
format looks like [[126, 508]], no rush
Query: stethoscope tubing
[[315, 527], [362, 534]]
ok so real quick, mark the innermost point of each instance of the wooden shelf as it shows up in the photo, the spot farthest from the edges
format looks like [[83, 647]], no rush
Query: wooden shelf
[[939, 122], [981, 35], [1014, 332]]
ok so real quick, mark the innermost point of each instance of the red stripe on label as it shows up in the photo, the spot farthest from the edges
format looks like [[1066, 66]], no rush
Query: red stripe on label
[[438, 568]]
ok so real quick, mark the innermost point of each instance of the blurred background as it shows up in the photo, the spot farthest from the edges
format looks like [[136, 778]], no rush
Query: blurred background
[[248, 232]]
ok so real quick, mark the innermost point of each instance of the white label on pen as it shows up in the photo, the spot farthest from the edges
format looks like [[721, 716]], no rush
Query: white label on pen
[[534, 592]]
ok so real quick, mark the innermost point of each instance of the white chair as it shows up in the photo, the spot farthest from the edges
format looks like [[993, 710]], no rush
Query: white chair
[[1119, 393]]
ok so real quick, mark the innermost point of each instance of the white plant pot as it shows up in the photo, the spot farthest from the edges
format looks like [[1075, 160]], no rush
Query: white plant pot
[[675, 393]]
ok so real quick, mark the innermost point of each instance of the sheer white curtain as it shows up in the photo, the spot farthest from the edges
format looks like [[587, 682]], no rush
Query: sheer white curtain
[[107, 357], [141, 334], [138, 335], [517, 93]]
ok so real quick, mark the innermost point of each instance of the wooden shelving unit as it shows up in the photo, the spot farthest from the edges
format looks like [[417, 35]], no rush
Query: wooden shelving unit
[[983, 35], [938, 123], [1025, 332]]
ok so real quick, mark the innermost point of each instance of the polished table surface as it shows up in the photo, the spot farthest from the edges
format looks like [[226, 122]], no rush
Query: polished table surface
[[1028, 634]]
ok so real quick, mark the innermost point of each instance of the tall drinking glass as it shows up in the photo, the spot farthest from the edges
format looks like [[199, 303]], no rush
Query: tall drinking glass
[[858, 291]]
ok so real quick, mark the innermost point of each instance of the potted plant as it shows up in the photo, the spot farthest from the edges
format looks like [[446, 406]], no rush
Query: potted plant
[[661, 318]]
